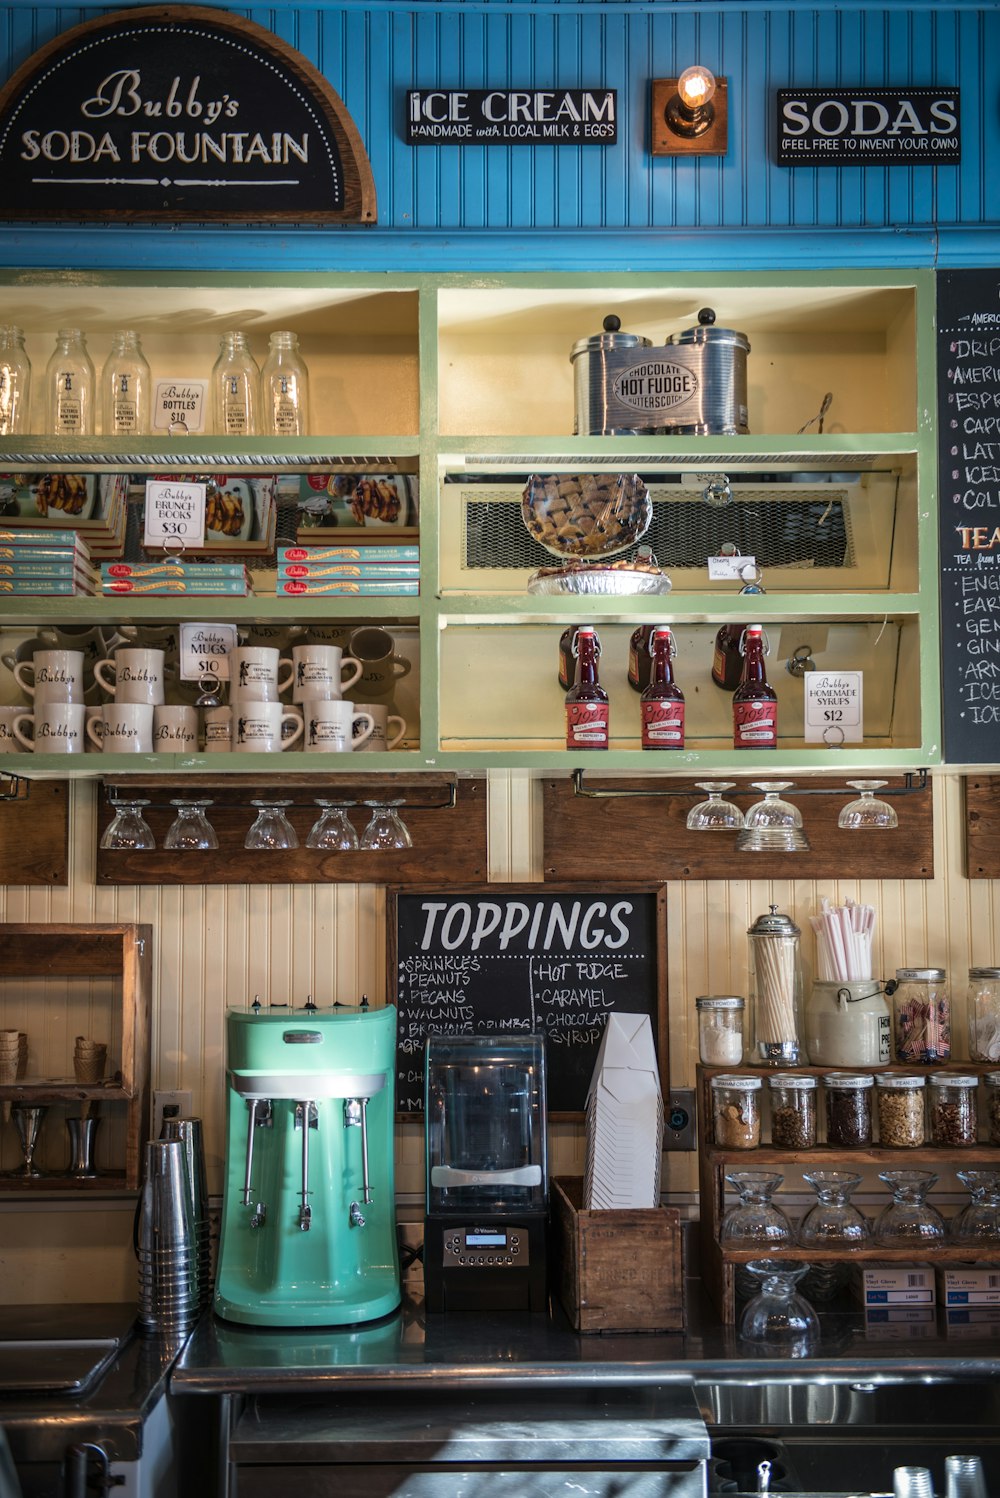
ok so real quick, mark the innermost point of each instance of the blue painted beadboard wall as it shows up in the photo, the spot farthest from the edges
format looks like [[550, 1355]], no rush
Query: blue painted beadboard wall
[[580, 207]]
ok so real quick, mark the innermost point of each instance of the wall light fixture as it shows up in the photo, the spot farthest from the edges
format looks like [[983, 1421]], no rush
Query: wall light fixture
[[690, 114]]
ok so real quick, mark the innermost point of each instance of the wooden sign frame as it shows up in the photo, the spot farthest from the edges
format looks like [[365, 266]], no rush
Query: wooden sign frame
[[526, 893], [179, 114]]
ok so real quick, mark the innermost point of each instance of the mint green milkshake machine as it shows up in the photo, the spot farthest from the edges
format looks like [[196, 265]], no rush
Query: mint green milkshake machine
[[308, 1215]]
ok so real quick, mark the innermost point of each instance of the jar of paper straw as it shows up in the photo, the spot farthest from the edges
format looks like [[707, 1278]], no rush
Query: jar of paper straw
[[775, 991]]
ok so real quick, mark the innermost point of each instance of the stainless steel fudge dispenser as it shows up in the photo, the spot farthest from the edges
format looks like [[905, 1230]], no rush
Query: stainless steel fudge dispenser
[[694, 384], [309, 1214], [487, 1173]]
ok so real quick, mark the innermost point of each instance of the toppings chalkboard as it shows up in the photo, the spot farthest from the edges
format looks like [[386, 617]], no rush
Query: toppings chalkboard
[[506, 958], [969, 509]]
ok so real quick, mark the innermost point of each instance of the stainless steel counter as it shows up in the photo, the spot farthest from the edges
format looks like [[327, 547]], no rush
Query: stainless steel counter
[[467, 1351]]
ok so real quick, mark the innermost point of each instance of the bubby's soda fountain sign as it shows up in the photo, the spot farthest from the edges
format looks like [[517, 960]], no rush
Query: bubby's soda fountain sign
[[178, 113]]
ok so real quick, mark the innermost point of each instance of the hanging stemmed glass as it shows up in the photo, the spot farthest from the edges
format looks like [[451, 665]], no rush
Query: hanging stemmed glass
[[772, 825], [128, 831], [386, 832], [272, 832], [869, 812], [715, 814], [190, 831], [332, 831]]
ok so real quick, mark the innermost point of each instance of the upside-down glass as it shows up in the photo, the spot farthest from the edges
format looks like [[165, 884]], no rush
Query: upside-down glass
[[833, 1219], [385, 832], [190, 831], [772, 825], [908, 1221], [755, 1222], [868, 812], [979, 1220], [272, 831], [332, 831], [714, 814], [777, 1316], [128, 831]]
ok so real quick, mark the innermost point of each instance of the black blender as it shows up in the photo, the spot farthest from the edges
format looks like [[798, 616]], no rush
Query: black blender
[[487, 1173]]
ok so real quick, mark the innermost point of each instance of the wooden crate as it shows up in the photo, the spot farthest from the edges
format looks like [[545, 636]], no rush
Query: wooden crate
[[616, 1271]]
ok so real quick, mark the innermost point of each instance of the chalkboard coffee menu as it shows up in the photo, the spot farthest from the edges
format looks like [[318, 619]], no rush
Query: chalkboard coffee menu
[[505, 958], [968, 304]]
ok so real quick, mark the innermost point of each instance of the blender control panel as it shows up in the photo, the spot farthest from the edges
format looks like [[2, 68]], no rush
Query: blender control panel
[[495, 1247]]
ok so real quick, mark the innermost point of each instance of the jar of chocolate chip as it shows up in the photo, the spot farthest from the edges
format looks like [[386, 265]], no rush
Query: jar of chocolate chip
[[899, 1102], [793, 1110], [991, 1088], [952, 1110], [736, 1112], [848, 1109]]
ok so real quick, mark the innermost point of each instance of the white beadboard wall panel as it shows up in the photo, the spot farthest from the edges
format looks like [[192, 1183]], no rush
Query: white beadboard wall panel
[[217, 947]]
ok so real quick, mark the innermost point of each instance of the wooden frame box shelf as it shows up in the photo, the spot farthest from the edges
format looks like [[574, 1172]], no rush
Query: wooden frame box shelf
[[106, 954], [719, 1265]]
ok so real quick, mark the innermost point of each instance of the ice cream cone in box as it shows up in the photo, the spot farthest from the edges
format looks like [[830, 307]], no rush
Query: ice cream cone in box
[[9, 1053], [89, 1060]]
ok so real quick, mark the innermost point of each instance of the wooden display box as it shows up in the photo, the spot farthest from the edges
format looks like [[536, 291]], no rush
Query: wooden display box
[[616, 1271]]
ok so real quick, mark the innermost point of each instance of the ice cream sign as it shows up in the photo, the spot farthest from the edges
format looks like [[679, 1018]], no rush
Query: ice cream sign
[[178, 113]]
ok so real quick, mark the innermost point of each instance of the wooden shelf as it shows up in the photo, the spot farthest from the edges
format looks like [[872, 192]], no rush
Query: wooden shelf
[[719, 1264], [122, 952]]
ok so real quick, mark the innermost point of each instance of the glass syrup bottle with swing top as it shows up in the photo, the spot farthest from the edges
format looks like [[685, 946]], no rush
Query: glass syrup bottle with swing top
[[755, 702], [587, 707], [662, 701]]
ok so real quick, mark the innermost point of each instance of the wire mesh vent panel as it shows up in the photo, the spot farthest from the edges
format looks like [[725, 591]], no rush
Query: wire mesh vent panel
[[808, 531]]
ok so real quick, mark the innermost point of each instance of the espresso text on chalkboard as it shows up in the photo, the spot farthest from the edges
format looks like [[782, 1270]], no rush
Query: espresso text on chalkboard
[[969, 508], [514, 959]]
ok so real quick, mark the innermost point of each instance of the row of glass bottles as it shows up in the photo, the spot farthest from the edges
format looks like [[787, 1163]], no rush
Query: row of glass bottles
[[245, 401], [755, 709], [950, 1119], [909, 1220]]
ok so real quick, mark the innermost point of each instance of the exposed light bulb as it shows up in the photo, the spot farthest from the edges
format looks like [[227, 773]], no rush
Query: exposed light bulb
[[696, 86]]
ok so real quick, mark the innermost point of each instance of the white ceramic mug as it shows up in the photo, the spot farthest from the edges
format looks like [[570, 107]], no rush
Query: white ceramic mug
[[95, 642], [255, 674], [278, 636], [138, 675], [218, 729], [175, 729], [123, 728], [93, 716], [381, 667], [56, 676], [8, 743], [57, 728], [258, 726], [333, 726], [330, 634], [321, 671], [383, 721]]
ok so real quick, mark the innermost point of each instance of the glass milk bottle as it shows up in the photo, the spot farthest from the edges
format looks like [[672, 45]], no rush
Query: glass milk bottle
[[125, 388], [15, 382], [235, 388], [284, 388], [69, 387]]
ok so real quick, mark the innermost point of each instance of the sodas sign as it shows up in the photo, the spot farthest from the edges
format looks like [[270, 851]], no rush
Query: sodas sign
[[868, 127]]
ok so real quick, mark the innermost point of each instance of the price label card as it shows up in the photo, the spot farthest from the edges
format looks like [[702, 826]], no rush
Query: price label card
[[179, 406], [834, 707], [723, 569], [175, 514], [204, 650]]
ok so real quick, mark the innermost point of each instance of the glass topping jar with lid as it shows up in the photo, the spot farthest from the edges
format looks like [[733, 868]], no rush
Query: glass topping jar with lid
[[736, 1112], [720, 1029], [848, 1109], [793, 1110], [921, 1015], [982, 1006], [899, 1103], [952, 1110], [991, 1088]]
